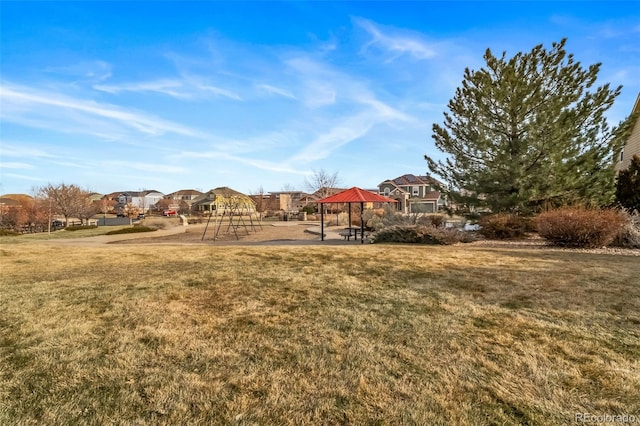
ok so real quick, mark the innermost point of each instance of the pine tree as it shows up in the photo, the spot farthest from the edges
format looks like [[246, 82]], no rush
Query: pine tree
[[529, 130], [628, 186]]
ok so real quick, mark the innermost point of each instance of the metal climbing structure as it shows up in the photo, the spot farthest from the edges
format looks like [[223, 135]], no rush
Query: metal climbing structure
[[231, 211]]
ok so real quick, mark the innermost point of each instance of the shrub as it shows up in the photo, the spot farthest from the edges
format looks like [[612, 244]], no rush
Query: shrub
[[8, 233], [580, 227], [310, 209], [503, 226], [437, 220], [131, 230], [421, 234], [340, 219], [628, 237], [628, 184]]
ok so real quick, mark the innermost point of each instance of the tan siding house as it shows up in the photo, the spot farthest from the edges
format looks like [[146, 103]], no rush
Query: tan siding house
[[632, 146]]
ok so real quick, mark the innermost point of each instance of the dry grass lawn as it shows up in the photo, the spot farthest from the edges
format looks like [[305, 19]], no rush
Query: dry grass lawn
[[139, 334]]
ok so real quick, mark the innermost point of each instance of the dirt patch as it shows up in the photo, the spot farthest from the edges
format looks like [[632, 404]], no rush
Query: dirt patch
[[197, 234]]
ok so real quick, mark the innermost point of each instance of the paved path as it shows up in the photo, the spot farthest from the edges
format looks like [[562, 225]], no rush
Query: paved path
[[332, 237], [106, 239]]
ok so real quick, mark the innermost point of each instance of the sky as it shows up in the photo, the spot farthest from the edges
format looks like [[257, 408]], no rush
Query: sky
[[129, 96]]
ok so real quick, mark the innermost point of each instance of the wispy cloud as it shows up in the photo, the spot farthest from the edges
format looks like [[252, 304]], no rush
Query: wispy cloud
[[317, 82], [25, 177], [397, 45], [145, 167], [179, 89], [385, 112], [92, 71], [275, 90], [77, 164], [320, 94], [20, 102], [166, 87], [15, 165], [280, 167], [219, 91], [349, 130], [21, 150], [323, 145]]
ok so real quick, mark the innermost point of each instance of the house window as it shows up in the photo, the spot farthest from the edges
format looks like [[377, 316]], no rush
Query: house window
[[416, 191], [386, 191]]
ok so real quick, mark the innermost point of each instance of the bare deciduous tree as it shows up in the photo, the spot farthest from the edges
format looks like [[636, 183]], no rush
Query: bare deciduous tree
[[131, 210], [86, 209], [105, 205], [321, 183], [258, 198], [66, 200]]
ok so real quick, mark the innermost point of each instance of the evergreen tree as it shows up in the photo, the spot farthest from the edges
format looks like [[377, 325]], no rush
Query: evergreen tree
[[529, 130], [628, 186]]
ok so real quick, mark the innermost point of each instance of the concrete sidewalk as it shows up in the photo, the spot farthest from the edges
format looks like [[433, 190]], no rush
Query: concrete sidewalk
[[106, 239]]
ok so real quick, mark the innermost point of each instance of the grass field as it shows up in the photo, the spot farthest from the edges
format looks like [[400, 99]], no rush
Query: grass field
[[57, 235], [143, 334]]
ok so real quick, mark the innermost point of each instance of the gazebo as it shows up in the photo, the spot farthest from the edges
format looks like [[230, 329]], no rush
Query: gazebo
[[350, 196]]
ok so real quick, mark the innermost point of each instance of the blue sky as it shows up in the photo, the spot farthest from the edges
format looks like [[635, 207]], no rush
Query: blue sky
[[116, 95]]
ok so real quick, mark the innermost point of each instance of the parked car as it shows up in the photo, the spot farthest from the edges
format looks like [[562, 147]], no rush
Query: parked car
[[169, 213], [141, 216], [57, 224]]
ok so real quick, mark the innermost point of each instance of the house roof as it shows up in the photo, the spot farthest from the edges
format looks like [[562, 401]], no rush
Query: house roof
[[17, 197], [356, 195], [223, 194], [185, 192], [433, 195], [410, 179], [6, 201]]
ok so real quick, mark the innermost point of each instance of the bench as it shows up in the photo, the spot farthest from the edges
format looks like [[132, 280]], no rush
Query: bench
[[346, 234]]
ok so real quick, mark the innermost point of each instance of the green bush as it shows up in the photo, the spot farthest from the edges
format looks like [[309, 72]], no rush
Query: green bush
[[80, 227], [132, 230], [310, 209], [504, 226], [580, 227], [421, 234]]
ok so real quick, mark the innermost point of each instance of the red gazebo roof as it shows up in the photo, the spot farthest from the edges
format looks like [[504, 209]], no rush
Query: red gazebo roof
[[356, 195]]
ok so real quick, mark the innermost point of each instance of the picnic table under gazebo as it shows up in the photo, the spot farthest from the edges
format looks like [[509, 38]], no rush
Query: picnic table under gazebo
[[350, 196]]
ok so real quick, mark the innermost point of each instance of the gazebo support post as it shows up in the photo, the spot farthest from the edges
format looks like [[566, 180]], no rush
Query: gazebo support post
[[321, 222], [361, 222], [349, 204]]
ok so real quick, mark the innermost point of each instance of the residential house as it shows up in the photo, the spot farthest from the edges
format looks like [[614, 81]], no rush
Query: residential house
[[262, 202], [223, 200], [414, 194], [182, 200], [143, 200], [288, 200], [632, 147], [95, 196], [6, 204]]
